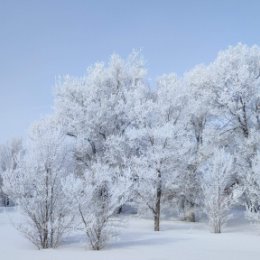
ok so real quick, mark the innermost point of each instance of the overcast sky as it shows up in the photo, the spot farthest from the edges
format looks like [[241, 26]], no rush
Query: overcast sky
[[41, 39]]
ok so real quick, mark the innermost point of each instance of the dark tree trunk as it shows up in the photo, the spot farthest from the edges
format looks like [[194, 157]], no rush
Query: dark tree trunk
[[157, 211]]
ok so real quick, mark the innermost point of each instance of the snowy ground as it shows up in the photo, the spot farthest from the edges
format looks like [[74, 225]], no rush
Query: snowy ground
[[177, 240]]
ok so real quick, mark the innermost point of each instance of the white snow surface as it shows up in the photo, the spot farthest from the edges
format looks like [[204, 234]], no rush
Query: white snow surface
[[176, 240]]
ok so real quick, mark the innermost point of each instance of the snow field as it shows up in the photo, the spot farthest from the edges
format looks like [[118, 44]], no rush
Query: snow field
[[138, 241]]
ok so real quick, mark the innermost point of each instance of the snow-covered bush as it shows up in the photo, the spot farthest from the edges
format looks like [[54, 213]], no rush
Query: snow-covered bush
[[36, 186], [96, 196], [10, 154], [218, 195], [252, 188]]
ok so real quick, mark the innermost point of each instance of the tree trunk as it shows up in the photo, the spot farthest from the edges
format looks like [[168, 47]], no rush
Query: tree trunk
[[217, 227], [157, 211], [157, 221], [46, 215], [190, 215]]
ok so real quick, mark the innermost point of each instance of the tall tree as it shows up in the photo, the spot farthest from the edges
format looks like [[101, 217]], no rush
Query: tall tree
[[99, 106], [158, 144], [197, 113], [235, 85]]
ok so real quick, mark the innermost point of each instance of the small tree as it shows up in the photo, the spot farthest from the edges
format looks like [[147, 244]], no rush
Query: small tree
[[97, 195], [218, 195], [36, 186], [10, 153], [252, 190]]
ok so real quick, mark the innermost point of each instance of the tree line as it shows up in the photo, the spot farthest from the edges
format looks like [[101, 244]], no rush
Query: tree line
[[189, 142]]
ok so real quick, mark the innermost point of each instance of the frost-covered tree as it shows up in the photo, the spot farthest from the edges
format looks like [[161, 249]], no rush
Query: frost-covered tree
[[197, 113], [199, 102], [252, 188], [97, 110], [218, 195], [10, 153], [99, 107], [96, 196], [158, 144], [235, 76], [235, 81], [36, 185]]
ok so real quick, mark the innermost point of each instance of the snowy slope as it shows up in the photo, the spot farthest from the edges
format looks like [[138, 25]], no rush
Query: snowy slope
[[177, 240]]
